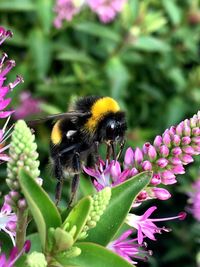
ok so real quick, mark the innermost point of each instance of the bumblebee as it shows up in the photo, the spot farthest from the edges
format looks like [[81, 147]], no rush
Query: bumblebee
[[77, 134]]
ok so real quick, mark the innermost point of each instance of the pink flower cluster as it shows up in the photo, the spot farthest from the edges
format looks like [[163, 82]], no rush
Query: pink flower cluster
[[105, 9]]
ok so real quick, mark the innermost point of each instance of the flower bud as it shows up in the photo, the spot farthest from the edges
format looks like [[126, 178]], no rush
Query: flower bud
[[176, 140], [99, 204], [115, 170], [161, 193], [167, 177], [178, 169], [152, 153], [138, 155], [179, 129], [129, 157], [186, 159], [186, 140], [157, 141], [164, 151], [162, 162], [36, 259], [63, 239], [167, 139], [176, 151], [146, 165], [156, 179], [188, 150]]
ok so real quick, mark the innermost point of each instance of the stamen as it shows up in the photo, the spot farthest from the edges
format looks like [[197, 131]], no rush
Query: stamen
[[18, 80], [181, 216], [10, 65]]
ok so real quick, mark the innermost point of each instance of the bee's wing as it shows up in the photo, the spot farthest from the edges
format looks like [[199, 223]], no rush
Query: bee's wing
[[72, 114]]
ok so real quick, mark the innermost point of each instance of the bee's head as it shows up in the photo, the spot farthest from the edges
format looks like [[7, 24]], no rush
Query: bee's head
[[112, 127]]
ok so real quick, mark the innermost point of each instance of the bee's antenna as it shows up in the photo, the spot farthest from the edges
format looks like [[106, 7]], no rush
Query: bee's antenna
[[121, 149]]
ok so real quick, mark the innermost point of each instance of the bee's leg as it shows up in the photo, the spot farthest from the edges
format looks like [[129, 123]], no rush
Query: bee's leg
[[96, 152], [108, 153], [59, 176], [121, 149], [76, 178], [113, 151]]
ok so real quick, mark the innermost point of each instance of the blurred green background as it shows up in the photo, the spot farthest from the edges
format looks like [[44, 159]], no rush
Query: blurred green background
[[148, 59]]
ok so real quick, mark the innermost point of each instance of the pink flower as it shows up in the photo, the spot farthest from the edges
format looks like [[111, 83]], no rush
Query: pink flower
[[107, 174], [4, 34], [28, 106], [128, 249], [8, 219], [145, 225], [65, 10], [15, 254], [195, 200], [106, 9]]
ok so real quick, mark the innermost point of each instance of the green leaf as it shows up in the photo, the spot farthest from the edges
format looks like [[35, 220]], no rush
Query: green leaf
[[35, 242], [40, 49], [42, 208], [93, 255], [151, 44], [45, 14], [120, 203], [17, 5], [173, 11], [118, 76], [78, 215], [97, 30], [73, 55]]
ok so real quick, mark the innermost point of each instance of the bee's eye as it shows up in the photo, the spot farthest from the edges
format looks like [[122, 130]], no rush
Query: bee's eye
[[110, 131]]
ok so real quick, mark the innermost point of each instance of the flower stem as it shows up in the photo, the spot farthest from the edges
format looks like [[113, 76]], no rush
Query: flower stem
[[22, 216]]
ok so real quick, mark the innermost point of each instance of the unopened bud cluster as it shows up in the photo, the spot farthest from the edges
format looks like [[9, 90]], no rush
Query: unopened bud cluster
[[22, 154], [99, 204]]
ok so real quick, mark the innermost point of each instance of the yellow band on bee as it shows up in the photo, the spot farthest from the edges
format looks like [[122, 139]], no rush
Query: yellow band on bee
[[99, 109], [56, 134]]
